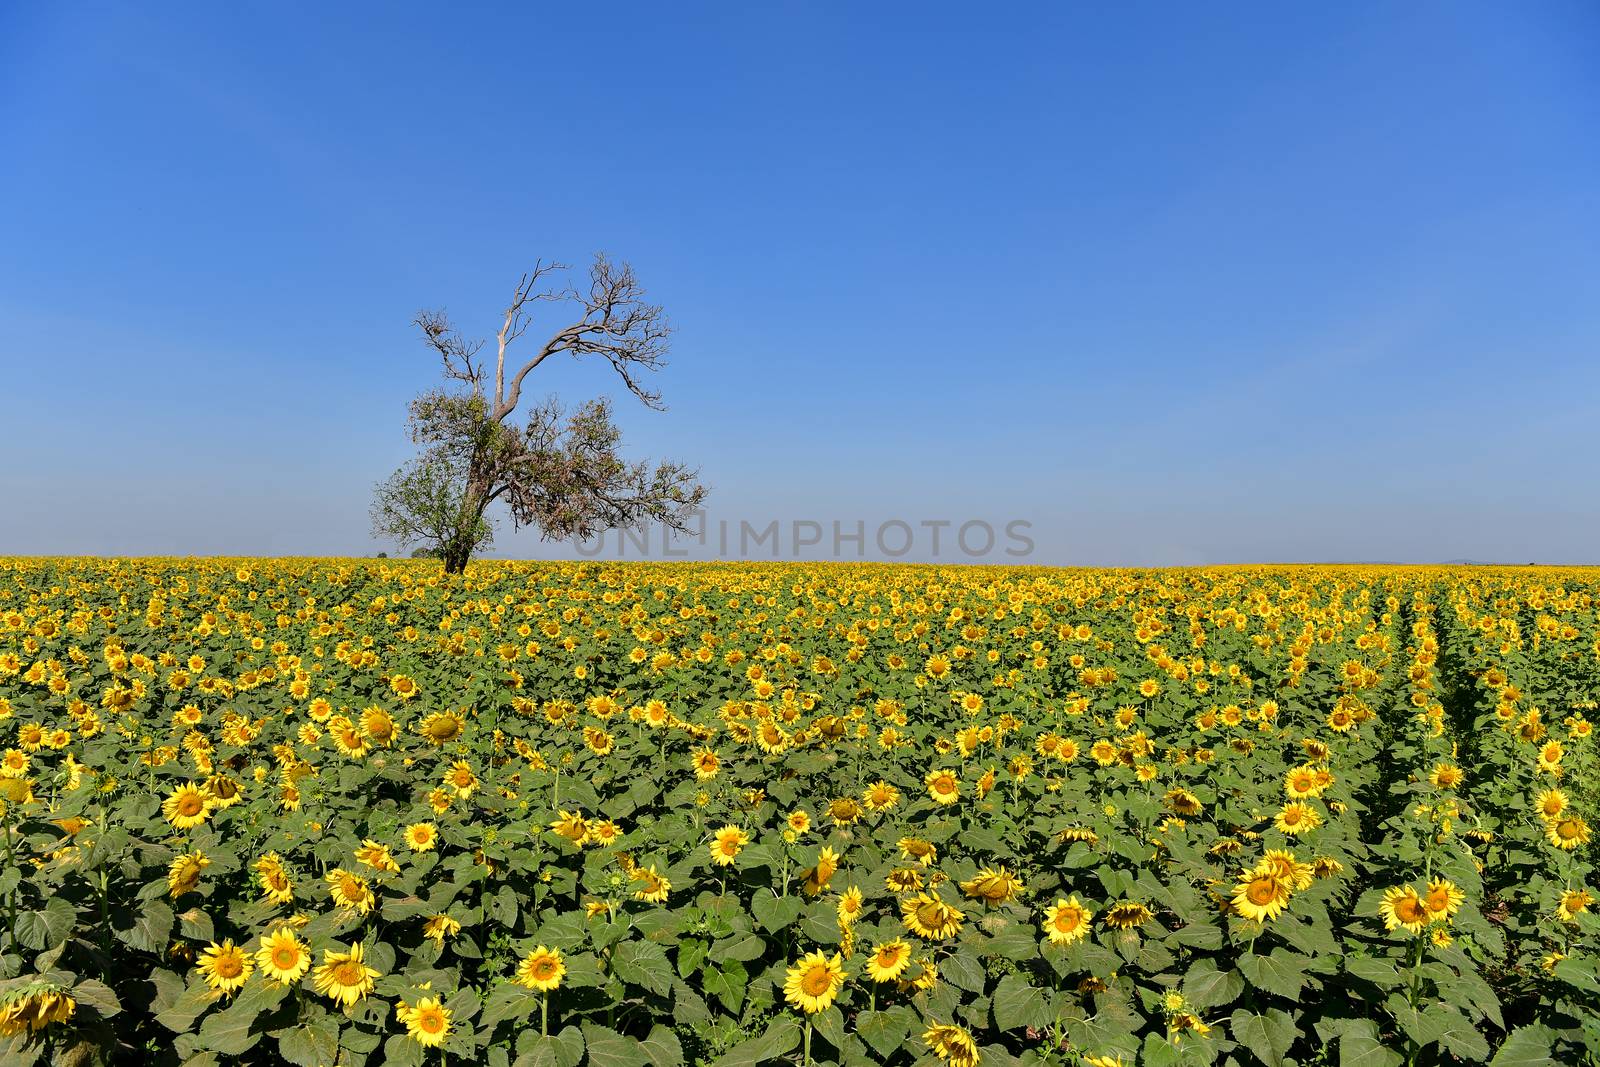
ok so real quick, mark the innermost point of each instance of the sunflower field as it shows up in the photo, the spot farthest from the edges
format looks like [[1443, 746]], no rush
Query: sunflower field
[[546, 815]]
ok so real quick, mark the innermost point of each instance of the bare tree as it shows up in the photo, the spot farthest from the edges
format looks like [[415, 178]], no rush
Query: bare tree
[[560, 472]]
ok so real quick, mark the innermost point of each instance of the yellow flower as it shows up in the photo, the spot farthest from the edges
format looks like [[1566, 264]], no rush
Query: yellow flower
[[350, 891], [184, 874], [813, 983], [992, 885], [1297, 818], [726, 844], [952, 1044], [225, 967], [889, 961], [928, 916], [344, 976], [439, 927], [282, 956], [186, 807], [427, 1021], [1567, 832], [1127, 914], [421, 836], [377, 856], [1066, 921], [943, 786], [1261, 896], [1443, 899], [541, 970], [1402, 908]]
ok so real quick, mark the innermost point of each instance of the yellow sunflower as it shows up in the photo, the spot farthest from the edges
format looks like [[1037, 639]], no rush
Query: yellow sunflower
[[283, 957], [225, 967], [813, 982], [889, 961], [1066, 921], [186, 807], [1402, 908], [427, 1021], [726, 845], [930, 917], [344, 976], [1260, 895]]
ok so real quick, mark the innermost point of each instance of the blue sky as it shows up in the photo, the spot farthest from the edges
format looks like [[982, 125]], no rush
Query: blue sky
[[1172, 284]]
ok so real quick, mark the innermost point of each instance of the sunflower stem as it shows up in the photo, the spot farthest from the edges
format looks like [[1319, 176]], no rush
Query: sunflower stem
[[544, 1015], [807, 1060]]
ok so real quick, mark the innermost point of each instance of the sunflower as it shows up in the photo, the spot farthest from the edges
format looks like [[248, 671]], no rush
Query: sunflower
[[427, 1022], [928, 916], [225, 967], [1573, 902], [654, 886], [273, 878], [404, 687], [1551, 803], [705, 763], [186, 807], [813, 982], [844, 811], [282, 956], [798, 821], [570, 825], [1261, 895], [1288, 870], [880, 796], [889, 961], [992, 885], [1402, 908], [350, 891], [1184, 803], [541, 970], [378, 725], [421, 836], [1443, 899], [377, 856], [1297, 818], [915, 848], [943, 786], [850, 907], [184, 874], [952, 1044], [440, 927], [344, 976], [1446, 776], [1567, 832], [814, 880], [1066, 921], [442, 727], [461, 779], [726, 845], [1127, 914]]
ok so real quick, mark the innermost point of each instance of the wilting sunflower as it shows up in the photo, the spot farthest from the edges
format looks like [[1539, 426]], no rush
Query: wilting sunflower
[[1567, 832], [350, 891], [814, 880], [1443, 899], [1127, 914], [186, 807], [377, 856], [541, 970], [225, 967], [814, 981], [993, 885], [36, 1010], [943, 786], [927, 916], [283, 957], [889, 961], [344, 976], [184, 874], [952, 1044], [1066, 921], [1261, 895], [421, 836], [1402, 908], [915, 848], [1185, 803], [726, 844], [427, 1021]]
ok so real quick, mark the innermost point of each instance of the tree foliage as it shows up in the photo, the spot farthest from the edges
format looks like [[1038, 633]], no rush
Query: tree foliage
[[561, 471]]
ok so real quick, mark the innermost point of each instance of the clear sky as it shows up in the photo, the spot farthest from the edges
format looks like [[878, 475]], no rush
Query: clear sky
[[1171, 283]]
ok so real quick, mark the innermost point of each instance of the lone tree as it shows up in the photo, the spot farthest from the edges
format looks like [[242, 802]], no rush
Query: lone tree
[[560, 472]]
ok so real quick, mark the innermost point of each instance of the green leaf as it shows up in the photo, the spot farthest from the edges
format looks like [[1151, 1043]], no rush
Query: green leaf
[[1017, 1003], [236, 1029], [885, 1031], [1207, 987], [151, 928], [726, 983], [741, 947], [311, 1044], [964, 971], [97, 995], [1268, 1036], [662, 1048], [558, 1050], [607, 1048], [780, 1037], [1359, 1046], [774, 913], [1458, 1035], [1282, 973], [1382, 973], [830, 1025], [401, 1051], [50, 926], [1527, 1046], [643, 963], [507, 1001]]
